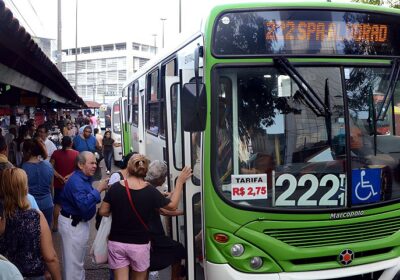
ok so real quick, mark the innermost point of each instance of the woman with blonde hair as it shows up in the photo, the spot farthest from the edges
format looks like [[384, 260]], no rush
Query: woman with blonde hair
[[27, 240], [131, 203]]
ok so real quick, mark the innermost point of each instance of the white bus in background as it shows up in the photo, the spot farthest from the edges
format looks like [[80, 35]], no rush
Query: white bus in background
[[104, 110], [116, 130]]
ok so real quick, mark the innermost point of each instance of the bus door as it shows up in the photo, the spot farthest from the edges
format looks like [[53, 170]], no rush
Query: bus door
[[123, 122], [116, 130], [193, 205], [141, 123], [193, 190], [174, 143], [184, 228], [125, 127], [134, 115]]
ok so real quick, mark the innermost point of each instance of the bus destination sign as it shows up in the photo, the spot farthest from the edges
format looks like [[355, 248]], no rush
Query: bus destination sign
[[306, 30], [300, 32]]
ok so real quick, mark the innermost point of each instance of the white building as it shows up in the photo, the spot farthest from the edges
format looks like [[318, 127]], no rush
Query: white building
[[103, 69], [48, 46]]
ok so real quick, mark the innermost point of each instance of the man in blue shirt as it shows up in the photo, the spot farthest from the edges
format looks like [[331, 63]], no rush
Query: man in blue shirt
[[78, 206], [85, 141]]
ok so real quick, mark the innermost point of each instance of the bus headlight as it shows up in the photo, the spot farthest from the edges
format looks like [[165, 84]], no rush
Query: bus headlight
[[237, 250], [256, 262]]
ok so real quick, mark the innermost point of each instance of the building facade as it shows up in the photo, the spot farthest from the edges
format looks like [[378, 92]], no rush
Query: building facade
[[103, 69], [48, 46]]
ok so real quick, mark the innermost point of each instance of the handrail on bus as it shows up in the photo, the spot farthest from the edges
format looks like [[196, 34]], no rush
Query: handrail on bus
[[394, 76], [312, 100]]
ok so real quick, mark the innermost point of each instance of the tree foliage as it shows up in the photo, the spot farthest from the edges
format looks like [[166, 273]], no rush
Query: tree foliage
[[390, 3], [393, 3], [371, 2]]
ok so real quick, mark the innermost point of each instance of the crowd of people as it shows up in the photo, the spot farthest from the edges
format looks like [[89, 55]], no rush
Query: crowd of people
[[45, 189]]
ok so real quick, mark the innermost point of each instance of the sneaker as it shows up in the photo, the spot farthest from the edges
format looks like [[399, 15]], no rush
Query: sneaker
[[108, 172]]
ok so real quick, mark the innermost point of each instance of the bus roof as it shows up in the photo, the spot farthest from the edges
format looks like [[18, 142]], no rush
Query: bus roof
[[303, 4], [160, 57]]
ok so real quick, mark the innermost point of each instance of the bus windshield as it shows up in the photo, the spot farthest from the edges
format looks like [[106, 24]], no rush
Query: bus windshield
[[274, 150]]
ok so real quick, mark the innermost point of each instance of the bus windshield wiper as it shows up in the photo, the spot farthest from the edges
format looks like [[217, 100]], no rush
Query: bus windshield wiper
[[394, 75], [311, 98]]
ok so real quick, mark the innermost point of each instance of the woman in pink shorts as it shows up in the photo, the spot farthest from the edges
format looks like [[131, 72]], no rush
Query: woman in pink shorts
[[129, 239]]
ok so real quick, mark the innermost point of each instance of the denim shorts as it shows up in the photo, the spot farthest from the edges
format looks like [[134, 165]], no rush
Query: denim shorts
[[137, 256]]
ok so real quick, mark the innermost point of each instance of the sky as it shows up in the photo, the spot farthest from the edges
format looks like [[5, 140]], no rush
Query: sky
[[106, 21]]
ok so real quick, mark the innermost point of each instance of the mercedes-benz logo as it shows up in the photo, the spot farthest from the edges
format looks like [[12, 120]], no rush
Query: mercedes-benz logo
[[346, 257]]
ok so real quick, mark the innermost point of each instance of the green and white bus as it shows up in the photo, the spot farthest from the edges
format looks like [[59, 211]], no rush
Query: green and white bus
[[288, 115]]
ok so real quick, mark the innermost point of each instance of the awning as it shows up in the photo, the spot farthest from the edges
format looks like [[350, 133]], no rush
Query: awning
[[92, 104], [25, 71]]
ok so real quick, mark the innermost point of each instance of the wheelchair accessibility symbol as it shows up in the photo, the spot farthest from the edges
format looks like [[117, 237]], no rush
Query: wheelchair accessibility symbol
[[366, 185]]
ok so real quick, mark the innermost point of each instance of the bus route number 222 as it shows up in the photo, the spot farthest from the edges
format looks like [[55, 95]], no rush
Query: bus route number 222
[[310, 191]]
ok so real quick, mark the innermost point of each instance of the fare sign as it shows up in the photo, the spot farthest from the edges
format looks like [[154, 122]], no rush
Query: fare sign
[[249, 187]]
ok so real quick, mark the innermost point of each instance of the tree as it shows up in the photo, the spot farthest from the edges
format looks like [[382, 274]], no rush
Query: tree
[[371, 2], [394, 3], [390, 3]]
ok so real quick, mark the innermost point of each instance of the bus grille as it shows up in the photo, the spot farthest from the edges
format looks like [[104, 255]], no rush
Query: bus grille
[[336, 234]]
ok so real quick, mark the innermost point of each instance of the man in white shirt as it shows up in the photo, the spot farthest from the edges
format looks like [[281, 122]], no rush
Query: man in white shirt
[[43, 135]]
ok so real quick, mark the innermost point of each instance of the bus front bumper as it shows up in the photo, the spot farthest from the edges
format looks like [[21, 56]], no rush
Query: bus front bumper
[[225, 271]]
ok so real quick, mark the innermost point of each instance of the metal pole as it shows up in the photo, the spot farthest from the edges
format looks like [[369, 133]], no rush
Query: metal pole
[[76, 46], [180, 16], [155, 42], [104, 91], [162, 36], [59, 62]]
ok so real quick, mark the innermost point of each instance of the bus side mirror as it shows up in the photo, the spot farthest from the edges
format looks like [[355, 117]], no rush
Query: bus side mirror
[[193, 107]]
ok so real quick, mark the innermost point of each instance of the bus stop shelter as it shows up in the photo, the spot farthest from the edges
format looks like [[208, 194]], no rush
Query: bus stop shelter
[[27, 76], [92, 104]]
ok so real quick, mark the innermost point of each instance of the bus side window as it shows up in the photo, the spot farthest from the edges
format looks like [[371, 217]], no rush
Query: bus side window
[[130, 96], [135, 104], [176, 127], [196, 157], [153, 103]]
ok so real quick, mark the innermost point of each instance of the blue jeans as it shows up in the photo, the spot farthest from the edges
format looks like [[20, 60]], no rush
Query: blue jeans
[[108, 158]]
